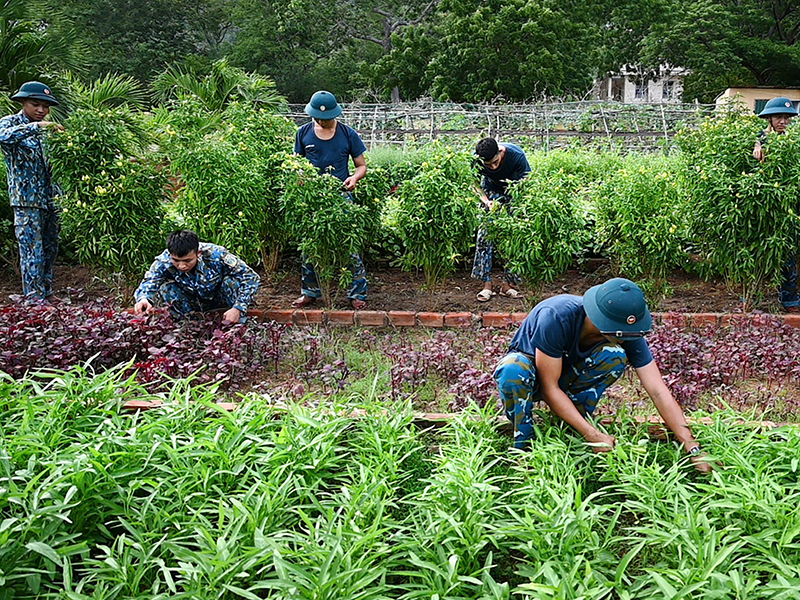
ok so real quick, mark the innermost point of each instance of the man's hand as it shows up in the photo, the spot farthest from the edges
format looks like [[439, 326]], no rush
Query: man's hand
[[701, 462], [143, 306], [601, 442], [758, 152], [350, 183], [232, 315], [51, 125]]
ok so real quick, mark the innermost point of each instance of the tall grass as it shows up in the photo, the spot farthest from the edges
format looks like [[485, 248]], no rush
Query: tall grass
[[188, 501]]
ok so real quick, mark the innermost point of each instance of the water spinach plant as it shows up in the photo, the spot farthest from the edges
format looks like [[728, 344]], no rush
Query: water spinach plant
[[310, 502]]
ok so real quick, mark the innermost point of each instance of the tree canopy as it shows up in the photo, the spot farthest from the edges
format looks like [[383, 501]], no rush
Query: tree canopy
[[467, 50]]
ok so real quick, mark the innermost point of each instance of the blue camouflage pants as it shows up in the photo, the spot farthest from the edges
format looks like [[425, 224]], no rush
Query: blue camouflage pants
[[788, 292], [484, 251], [181, 302], [309, 285], [37, 232], [358, 288], [584, 383]]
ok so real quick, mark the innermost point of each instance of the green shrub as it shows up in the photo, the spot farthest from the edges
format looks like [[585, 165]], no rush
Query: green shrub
[[743, 214], [8, 241], [639, 218], [545, 232], [114, 215], [326, 227], [232, 177], [434, 213]]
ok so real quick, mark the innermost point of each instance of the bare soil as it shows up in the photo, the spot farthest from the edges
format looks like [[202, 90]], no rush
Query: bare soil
[[393, 289]]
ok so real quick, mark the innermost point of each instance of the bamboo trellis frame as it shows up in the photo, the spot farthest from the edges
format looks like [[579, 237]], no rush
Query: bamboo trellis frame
[[540, 125]]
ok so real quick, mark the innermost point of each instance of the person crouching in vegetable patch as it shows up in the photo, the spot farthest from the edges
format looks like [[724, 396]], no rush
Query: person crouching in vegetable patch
[[500, 164], [31, 190], [570, 349], [779, 113], [190, 277]]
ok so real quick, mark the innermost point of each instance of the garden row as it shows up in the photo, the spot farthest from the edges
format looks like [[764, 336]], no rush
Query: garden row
[[749, 361], [130, 177], [305, 503]]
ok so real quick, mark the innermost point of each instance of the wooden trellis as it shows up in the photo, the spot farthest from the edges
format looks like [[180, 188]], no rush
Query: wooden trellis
[[541, 125]]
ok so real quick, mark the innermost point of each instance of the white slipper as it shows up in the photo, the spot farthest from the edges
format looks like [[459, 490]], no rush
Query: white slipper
[[485, 295], [511, 293]]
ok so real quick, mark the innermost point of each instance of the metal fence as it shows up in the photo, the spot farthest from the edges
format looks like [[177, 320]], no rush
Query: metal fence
[[539, 125]]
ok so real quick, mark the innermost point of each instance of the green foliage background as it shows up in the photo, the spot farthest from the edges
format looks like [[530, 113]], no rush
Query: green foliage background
[[230, 167], [114, 214]]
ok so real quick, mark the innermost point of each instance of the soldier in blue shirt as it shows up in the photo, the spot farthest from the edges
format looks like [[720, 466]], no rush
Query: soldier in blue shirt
[[329, 145], [190, 276], [570, 349], [778, 113], [502, 163], [31, 191]]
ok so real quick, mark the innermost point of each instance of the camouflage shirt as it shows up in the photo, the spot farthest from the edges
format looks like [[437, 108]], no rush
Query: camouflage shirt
[[214, 263], [29, 180]]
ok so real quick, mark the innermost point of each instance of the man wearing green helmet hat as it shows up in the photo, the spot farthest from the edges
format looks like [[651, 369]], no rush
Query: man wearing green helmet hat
[[570, 349], [31, 190], [779, 112], [329, 145]]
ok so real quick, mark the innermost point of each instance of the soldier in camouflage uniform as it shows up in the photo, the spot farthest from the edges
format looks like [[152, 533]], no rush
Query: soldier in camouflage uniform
[[570, 349], [189, 276], [500, 164], [31, 190]]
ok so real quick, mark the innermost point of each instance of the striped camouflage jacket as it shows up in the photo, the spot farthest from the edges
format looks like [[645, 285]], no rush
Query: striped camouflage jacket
[[29, 179], [213, 265]]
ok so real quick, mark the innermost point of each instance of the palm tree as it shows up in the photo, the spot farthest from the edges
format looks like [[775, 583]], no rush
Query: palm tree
[[220, 87], [110, 91], [31, 47]]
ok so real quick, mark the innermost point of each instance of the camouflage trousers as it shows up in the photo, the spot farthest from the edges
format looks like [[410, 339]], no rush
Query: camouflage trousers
[[181, 302], [484, 251], [309, 285], [37, 232], [584, 383], [358, 288]]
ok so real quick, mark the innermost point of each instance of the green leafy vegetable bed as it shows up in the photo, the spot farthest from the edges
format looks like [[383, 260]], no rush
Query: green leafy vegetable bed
[[190, 502]]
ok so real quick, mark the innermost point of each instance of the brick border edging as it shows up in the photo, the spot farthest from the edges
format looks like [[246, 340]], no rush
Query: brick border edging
[[461, 320]]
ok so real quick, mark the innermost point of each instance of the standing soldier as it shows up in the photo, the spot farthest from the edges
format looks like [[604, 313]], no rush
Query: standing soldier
[[778, 113], [329, 145], [31, 190], [501, 163]]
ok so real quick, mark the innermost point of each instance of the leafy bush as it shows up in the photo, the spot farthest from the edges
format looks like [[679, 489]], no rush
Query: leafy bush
[[639, 218], [8, 240], [113, 201], [743, 214], [434, 213], [545, 232], [232, 177], [326, 227], [36, 336]]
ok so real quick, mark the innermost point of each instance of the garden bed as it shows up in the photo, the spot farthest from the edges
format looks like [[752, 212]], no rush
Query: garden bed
[[393, 289], [307, 503]]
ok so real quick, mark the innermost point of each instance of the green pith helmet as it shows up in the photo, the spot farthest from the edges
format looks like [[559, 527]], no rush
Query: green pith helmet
[[35, 90], [618, 308], [323, 105], [778, 106]]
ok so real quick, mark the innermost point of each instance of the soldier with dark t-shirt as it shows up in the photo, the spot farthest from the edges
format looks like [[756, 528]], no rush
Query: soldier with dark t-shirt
[[570, 349]]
